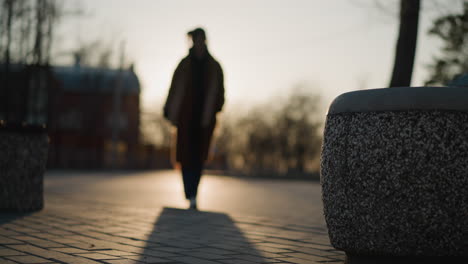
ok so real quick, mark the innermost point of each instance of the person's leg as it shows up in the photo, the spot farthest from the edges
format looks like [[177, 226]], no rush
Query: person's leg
[[197, 172], [191, 176], [187, 176]]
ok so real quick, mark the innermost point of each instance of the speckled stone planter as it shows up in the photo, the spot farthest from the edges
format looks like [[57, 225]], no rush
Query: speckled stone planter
[[23, 156], [394, 172]]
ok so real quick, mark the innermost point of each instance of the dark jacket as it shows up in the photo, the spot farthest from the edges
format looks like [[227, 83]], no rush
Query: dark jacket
[[194, 131]]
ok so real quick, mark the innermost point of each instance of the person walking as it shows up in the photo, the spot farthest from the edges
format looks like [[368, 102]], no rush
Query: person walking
[[195, 96]]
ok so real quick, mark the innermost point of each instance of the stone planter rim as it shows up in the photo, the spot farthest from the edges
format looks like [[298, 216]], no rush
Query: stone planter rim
[[393, 169], [401, 99]]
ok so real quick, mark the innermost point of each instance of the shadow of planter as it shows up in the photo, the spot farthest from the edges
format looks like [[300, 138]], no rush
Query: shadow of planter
[[23, 157], [394, 174]]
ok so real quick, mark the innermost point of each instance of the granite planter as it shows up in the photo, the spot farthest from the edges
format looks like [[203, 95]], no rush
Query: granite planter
[[394, 174], [23, 157]]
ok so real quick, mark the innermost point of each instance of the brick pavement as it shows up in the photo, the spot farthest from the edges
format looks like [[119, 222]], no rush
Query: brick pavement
[[77, 228]]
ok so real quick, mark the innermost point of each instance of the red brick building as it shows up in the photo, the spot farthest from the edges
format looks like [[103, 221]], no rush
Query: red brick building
[[94, 118]]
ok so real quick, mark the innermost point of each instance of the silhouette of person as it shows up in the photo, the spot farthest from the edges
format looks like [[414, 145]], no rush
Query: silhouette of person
[[195, 96]]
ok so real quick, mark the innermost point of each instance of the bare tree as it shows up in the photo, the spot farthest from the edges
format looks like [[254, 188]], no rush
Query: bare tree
[[298, 124], [406, 44], [95, 53], [452, 30], [274, 139], [27, 27]]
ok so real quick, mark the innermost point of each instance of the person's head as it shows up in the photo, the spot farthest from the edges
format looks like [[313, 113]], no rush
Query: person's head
[[198, 38]]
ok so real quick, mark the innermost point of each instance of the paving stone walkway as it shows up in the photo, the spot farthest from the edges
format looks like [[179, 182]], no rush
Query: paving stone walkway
[[140, 218]]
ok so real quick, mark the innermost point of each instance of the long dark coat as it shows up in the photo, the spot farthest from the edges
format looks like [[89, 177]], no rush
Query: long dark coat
[[178, 108]]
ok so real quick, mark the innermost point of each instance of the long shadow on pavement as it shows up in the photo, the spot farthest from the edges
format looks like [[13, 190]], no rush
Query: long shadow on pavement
[[190, 236]]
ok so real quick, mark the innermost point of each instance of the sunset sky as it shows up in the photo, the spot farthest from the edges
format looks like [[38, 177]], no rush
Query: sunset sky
[[266, 47]]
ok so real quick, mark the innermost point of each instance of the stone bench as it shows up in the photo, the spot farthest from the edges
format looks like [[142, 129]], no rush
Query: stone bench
[[23, 157], [394, 172]]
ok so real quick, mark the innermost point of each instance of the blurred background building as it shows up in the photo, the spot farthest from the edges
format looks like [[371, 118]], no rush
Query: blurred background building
[[92, 114], [85, 129]]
